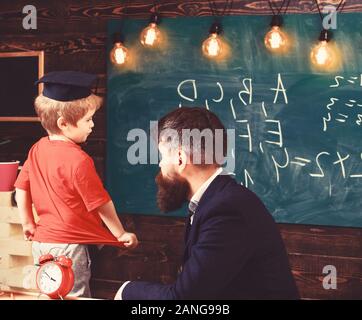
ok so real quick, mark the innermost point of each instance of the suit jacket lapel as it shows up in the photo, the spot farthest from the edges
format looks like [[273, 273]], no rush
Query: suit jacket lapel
[[187, 229], [210, 192]]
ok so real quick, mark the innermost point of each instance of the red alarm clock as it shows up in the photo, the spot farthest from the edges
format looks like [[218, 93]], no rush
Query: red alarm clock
[[55, 276]]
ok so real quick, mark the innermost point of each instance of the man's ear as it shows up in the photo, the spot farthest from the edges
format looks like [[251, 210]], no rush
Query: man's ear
[[182, 160], [62, 124]]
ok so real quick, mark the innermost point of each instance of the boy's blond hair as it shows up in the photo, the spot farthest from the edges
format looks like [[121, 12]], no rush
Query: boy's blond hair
[[49, 110]]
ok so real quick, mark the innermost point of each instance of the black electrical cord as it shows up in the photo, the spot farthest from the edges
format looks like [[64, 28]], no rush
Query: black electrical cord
[[319, 10], [287, 6], [216, 26], [280, 8], [155, 7], [277, 19], [155, 17], [214, 10]]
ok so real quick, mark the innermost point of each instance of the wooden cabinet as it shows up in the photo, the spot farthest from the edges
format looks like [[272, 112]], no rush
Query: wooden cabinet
[[16, 261]]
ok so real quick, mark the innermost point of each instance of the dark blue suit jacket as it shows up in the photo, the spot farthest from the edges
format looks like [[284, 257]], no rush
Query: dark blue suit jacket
[[233, 250]]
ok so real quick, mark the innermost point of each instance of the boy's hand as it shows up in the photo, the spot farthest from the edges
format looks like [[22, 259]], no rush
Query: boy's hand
[[129, 240], [28, 231]]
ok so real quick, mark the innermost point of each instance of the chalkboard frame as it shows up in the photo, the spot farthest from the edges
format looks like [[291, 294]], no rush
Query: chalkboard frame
[[40, 55]]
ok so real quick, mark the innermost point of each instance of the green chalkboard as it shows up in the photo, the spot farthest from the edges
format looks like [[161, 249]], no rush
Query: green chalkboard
[[300, 152]]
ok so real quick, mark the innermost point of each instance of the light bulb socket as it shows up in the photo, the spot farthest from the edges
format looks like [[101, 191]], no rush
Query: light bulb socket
[[325, 35], [215, 28], [155, 18], [277, 21], [118, 37]]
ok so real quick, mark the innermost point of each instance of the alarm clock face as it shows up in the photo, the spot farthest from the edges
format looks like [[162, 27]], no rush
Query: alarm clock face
[[49, 277]]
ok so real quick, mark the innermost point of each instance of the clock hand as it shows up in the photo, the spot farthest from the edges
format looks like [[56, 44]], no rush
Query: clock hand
[[49, 276]]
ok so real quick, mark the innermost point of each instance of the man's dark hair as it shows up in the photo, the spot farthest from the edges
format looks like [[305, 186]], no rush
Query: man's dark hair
[[186, 119]]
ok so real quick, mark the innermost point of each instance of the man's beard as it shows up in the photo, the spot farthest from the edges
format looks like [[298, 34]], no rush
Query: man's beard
[[172, 192]]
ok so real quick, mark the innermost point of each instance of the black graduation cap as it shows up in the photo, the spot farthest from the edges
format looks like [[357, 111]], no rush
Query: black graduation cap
[[67, 85]]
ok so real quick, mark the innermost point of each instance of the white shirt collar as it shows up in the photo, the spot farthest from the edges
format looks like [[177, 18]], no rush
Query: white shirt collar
[[198, 194]]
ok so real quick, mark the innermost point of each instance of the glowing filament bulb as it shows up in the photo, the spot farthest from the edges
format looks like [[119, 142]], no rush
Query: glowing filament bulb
[[119, 54], [212, 46], [322, 54], [276, 40], [151, 35]]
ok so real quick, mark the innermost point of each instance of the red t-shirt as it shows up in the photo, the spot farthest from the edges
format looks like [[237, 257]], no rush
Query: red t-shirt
[[66, 192]]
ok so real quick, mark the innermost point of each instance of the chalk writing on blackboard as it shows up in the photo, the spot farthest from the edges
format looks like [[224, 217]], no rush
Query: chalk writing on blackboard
[[188, 91], [344, 110]]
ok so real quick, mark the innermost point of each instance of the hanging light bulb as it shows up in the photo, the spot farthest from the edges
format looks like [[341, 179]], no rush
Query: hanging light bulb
[[276, 40], [213, 46], [151, 35], [119, 54], [321, 54], [324, 55]]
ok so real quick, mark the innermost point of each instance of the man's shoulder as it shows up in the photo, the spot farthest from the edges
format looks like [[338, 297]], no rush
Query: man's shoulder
[[226, 189], [227, 197]]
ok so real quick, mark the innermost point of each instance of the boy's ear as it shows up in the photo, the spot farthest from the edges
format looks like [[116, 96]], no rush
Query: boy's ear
[[61, 123]]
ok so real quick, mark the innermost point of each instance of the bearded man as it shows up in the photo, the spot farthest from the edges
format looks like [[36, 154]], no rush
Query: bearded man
[[233, 248]]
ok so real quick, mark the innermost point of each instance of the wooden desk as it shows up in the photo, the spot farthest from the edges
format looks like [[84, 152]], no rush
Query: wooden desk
[[27, 295]]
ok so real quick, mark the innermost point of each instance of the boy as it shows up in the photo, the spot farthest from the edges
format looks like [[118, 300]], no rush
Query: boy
[[61, 181]]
